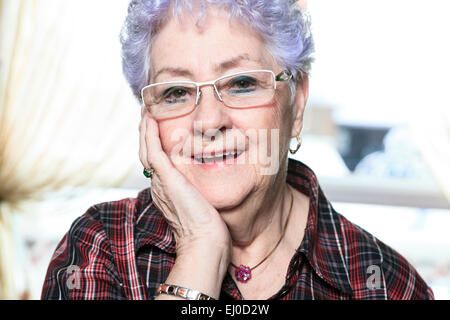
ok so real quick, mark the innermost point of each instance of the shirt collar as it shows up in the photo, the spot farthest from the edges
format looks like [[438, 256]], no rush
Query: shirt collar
[[322, 242]]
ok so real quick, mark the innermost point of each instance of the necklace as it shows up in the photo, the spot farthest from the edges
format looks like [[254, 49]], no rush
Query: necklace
[[243, 273]]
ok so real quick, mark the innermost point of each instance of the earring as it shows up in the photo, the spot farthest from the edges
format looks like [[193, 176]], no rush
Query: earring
[[299, 144]]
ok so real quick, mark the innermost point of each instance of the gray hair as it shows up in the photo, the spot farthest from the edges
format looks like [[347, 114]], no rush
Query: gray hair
[[285, 28]]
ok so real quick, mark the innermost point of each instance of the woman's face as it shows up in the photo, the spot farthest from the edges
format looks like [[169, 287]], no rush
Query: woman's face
[[259, 136]]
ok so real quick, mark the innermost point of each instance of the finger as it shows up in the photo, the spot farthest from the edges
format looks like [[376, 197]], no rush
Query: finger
[[156, 157], [142, 144]]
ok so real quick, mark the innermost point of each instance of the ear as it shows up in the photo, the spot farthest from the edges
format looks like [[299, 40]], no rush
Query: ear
[[301, 98]]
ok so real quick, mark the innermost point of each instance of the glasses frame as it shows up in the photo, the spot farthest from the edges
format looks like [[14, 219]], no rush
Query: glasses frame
[[281, 77]]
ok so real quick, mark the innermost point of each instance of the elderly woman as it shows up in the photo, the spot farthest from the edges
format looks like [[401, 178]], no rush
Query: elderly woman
[[223, 86]]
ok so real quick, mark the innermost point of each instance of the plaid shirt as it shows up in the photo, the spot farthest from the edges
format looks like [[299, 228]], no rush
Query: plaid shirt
[[125, 249]]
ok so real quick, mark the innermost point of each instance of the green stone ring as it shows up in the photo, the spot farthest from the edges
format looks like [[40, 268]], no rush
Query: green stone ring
[[148, 173]]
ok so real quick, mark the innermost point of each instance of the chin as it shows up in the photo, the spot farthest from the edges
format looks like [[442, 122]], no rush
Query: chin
[[224, 197], [224, 188]]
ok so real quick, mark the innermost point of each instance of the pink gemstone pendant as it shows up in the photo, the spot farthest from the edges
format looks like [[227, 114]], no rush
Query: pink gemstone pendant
[[243, 274]]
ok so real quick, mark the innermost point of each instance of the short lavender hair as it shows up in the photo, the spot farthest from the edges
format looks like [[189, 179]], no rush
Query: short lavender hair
[[285, 28]]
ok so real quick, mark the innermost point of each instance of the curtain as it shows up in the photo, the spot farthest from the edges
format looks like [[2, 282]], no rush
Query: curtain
[[67, 117]]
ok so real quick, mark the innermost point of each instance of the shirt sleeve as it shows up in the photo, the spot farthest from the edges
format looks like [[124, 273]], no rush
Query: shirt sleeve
[[403, 282], [82, 267]]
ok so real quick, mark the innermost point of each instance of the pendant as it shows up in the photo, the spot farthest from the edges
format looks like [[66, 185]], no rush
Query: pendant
[[243, 274]]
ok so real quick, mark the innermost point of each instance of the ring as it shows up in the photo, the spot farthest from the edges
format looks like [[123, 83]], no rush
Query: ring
[[148, 173]]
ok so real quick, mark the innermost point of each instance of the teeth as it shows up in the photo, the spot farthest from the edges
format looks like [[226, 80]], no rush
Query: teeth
[[218, 156]]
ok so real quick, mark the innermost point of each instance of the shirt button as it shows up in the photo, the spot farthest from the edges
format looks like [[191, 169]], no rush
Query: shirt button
[[284, 292]]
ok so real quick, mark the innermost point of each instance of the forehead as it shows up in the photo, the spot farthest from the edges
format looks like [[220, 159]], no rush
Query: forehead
[[218, 45]]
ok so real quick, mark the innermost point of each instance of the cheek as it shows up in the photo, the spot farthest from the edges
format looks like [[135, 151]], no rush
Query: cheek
[[266, 117], [266, 123], [173, 135], [271, 145]]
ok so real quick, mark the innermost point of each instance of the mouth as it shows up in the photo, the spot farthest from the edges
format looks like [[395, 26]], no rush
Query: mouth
[[228, 157]]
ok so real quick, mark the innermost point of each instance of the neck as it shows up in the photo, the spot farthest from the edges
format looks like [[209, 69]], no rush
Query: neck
[[258, 225]]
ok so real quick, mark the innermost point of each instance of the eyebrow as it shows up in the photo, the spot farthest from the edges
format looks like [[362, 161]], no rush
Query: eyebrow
[[175, 71], [221, 67], [231, 63]]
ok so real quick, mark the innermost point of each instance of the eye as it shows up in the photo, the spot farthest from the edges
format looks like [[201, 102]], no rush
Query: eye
[[175, 93], [176, 96], [242, 84]]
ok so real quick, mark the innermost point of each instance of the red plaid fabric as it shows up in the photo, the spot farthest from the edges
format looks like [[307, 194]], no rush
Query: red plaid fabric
[[125, 249]]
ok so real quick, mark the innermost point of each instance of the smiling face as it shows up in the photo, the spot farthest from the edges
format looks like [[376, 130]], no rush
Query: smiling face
[[228, 154]]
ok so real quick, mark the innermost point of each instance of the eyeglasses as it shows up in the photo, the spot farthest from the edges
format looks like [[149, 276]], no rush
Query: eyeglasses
[[240, 90]]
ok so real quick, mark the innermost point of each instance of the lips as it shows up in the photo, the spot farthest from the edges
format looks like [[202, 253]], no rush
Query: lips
[[218, 156]]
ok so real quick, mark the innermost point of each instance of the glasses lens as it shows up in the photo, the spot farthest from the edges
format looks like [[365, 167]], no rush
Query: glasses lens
[[247, 89], [169, 99]]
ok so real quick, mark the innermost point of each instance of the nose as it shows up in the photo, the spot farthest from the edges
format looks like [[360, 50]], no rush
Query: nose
[[211, 85], [210, 115]]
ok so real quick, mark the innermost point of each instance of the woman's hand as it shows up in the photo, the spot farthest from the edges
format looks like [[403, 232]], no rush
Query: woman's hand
[[202, 237]]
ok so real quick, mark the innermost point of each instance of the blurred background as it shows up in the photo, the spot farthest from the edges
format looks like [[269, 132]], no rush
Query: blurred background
[[377, 127]]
